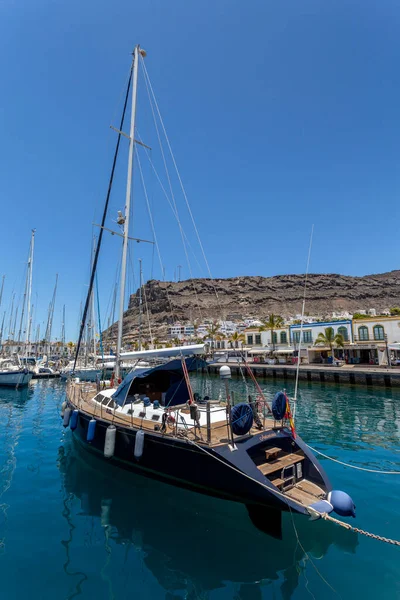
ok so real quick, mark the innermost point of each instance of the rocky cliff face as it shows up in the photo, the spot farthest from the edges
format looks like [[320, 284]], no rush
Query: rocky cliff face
[[242, 296]]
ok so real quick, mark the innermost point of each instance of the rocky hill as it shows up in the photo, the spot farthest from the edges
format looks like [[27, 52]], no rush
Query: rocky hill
[[237, 297]]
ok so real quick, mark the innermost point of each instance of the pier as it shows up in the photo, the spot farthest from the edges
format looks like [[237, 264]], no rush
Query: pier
[[347, 374]]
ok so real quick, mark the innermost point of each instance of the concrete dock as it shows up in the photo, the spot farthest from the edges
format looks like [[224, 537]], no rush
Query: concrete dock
[[347, 374]]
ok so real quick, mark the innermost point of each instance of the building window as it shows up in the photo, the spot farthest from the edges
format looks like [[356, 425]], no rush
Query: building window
[[283, 337], [379, 332], [344, 333], [296, 337], [363, 333], [250, 340], [274, 337], [307, 336], [258, 339]]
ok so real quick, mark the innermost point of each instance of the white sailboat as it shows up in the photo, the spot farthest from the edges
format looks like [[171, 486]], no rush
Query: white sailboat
[[12, 372]]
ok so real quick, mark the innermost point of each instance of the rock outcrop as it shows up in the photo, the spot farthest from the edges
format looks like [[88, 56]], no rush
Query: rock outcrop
[[237, 297]]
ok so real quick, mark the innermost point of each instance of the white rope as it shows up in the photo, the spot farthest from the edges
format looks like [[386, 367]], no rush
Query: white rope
[[324, 516], [296, 386], [354, 466]]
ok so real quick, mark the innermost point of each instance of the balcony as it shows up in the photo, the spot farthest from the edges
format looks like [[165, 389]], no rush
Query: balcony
[[369, 339]]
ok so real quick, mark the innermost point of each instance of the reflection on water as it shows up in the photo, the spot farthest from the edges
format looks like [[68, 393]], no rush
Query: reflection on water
[[179, 534], [12, 407], [74, 526]]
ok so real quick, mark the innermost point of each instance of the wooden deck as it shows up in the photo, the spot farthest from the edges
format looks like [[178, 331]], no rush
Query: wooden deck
[[81, 395], [280, 463], [298, 492]]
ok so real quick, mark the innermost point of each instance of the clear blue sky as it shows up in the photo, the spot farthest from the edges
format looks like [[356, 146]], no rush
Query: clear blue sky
[[281, 114]]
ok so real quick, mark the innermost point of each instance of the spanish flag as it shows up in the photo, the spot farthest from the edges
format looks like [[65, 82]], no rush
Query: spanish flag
[[289, 416]]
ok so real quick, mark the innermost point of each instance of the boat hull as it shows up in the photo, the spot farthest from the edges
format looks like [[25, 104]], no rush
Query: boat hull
[[15, 378], [179, 462]]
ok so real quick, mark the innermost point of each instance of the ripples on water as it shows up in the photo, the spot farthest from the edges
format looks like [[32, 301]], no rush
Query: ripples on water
[[73, 526]]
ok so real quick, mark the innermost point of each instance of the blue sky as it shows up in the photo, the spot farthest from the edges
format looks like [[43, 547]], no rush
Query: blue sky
[[280, 115]]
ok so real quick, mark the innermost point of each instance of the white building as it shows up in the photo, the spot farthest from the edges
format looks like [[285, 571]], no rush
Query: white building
[[309, 333]]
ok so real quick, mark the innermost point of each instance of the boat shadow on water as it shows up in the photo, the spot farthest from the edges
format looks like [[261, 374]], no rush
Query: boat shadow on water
[[190, 541]]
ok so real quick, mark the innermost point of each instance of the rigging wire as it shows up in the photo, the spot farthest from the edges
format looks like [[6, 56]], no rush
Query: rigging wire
[[147, 82], [174, 212], [96, 256], [148, 315], [152, 224], [296, 386], [147, 79]]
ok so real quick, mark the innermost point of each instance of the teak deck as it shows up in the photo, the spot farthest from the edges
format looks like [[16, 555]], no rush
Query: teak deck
[[82, 395], [280, 463]]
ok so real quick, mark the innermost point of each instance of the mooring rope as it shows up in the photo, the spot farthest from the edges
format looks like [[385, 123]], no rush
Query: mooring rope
[[324, 516], [354, 466], [373, 536]]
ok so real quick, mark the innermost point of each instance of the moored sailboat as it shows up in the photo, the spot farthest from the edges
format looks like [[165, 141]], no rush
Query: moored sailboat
[[154, 424]]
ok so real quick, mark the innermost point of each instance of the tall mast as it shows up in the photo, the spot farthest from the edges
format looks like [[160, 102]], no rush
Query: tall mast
[[140, 305], [2, 288], [2, 328], [127, 208], [28, 306], [11, 316], [93, 313], [50, 317], [63, 332]]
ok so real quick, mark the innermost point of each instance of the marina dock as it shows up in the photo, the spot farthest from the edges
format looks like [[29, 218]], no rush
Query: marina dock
[[347, 374]]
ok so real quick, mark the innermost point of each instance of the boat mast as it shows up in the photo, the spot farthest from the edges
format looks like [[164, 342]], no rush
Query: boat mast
[[127, 209], [140, 305], [1, 330], [28, 306], [2, 288], [50, 317], [63, 332], [93, 313]]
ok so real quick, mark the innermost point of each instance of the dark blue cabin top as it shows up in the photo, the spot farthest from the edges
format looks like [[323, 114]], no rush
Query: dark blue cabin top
[[167, 379]]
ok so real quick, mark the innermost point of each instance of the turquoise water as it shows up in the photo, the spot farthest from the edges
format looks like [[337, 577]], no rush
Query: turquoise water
[[72, 526]]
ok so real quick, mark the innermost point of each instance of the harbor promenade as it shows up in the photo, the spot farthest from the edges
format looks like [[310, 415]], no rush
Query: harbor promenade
[[346, 374]]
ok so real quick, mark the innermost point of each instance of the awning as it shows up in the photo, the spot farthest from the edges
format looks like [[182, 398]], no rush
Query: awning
[[260, 351], [284, 351]]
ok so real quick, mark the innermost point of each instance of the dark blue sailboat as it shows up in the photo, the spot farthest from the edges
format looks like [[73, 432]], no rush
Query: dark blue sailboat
[[154, 424]]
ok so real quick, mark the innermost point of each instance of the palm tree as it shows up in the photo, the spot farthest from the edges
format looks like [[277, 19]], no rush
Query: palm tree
[[273, 322], [212, 331], [176, 341], [235, 339], [156, 343], [71, 347], [330, 339]]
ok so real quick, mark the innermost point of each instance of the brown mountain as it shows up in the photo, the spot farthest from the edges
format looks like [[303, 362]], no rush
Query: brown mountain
[[243, 296]]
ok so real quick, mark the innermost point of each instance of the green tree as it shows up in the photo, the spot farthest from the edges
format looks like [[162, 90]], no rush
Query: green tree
[[273, 322], [395, 311], [330, 339], [212, 331], [176, 341], [235, 339]]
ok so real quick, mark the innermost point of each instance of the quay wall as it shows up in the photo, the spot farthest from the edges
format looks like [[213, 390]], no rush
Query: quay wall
[[350, 376]]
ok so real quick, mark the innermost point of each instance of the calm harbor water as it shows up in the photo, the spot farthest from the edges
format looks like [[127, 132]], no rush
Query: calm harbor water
[[72, 526]]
